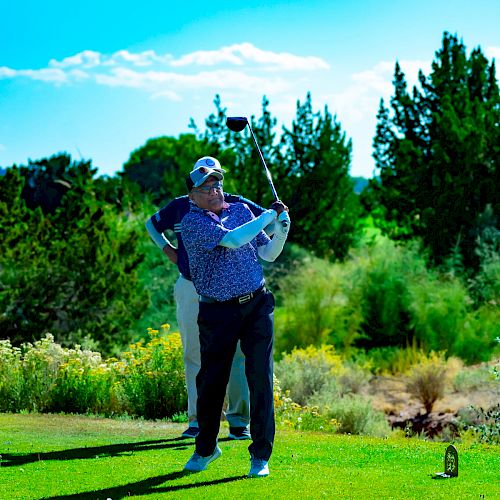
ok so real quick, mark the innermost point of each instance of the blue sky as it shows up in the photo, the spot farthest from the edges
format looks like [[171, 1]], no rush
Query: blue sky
[[99, 78]]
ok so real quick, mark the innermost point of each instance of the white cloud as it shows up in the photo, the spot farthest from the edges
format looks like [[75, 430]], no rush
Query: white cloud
[[162, 81], [50, 75], [146, 58], [238, 54], [85, 59], [148, 71]]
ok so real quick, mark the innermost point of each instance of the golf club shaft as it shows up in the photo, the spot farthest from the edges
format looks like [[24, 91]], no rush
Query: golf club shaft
[[268, 174]]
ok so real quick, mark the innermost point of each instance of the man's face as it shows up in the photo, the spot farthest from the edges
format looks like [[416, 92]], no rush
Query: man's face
[[209, 195]]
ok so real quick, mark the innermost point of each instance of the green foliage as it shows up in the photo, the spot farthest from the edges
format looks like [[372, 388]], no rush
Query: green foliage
[[154, 377], [147, 380], [316, 183], [311, 157], [305, 371], [320, 304], [484, 423], [438, 155], [355, 414], [383, 296], [393, 360], [319, 394], [161, 166], [69, 268]]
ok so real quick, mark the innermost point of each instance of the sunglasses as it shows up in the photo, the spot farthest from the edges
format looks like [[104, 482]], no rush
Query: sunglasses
[[216, 186]]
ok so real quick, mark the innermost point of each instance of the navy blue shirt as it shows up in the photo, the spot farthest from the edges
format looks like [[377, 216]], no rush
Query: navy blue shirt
[[219, 272], [170, 218]]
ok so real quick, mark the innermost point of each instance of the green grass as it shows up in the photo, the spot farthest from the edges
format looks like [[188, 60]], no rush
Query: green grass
[[57, 456]]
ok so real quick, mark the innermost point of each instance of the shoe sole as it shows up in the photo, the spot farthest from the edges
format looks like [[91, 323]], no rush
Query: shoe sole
[[238, 438], [257, 475]]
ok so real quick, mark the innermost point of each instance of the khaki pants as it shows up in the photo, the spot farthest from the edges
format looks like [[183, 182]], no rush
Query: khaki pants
[[238, 409]]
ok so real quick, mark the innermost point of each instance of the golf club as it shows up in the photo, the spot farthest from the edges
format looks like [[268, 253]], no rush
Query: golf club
[[237, 124]]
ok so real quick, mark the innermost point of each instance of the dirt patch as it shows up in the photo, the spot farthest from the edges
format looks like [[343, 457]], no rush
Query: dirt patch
[[403, 411]]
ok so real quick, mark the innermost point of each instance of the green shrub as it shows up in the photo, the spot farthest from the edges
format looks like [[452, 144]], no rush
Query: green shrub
[[473, 379], [305, 371], [384, 297], [76, 274], [484, 423], [11, 376], [356, 415], [292, 415]]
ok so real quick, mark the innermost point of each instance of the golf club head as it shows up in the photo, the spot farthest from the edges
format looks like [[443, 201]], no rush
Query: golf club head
[[236, 123]]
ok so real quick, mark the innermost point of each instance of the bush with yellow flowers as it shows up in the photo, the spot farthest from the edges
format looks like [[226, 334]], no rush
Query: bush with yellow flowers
[[145, 381]]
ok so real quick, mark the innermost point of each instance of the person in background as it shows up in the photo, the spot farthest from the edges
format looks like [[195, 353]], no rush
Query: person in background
[[186, 299], [223, 242]]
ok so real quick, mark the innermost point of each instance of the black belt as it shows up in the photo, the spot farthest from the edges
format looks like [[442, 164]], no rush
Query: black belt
[[242, 299]]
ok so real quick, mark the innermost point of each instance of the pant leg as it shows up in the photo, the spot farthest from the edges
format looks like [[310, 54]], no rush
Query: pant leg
[[219, 327], [238, 407], [257, 345], [186, 300]]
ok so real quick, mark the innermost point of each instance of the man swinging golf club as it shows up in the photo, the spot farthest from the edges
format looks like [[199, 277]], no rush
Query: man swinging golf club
[[186, 299], [223, 241]]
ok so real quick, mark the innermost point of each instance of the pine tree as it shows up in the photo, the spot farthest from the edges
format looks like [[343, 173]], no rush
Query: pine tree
[[438, 153], [322, 201]]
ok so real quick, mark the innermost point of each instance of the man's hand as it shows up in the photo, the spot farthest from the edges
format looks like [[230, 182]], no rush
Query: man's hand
[[171, 253], [279, 206]]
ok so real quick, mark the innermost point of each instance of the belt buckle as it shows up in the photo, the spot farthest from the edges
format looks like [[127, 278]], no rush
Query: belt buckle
[[244, 298]]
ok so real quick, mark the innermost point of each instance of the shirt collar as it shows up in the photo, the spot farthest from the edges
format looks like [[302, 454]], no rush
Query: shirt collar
[[212, 215]]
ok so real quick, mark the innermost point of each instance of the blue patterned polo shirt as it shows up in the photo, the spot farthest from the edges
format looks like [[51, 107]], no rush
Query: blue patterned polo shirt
[[219, 272]]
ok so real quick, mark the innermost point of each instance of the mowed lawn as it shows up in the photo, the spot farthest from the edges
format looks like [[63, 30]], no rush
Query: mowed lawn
[[62, 456]]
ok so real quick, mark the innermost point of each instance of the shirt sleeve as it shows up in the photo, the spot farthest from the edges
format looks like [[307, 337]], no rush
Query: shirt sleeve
[[262, 238], [165, 218], [254, 207]]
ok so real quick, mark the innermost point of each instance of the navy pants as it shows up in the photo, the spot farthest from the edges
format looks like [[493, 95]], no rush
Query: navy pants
[[221, 325]]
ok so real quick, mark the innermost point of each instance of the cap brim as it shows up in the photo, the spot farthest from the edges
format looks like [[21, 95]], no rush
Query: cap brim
[[212, 173]]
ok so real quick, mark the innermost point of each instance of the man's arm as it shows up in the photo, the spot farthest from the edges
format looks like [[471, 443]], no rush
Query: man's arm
[[254, 208], [162, 242], [245, 233], [274, 247]]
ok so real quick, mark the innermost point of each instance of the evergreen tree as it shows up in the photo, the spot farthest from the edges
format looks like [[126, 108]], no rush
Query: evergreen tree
[[69, 269], [318, 189], [160, 166], [438, 154]]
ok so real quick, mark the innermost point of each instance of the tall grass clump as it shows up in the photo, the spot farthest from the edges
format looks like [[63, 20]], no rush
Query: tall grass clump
[[427, 381]]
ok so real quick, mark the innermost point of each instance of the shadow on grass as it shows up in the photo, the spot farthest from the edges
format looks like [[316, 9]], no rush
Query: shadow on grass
[[145, 487], [112, 450]]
